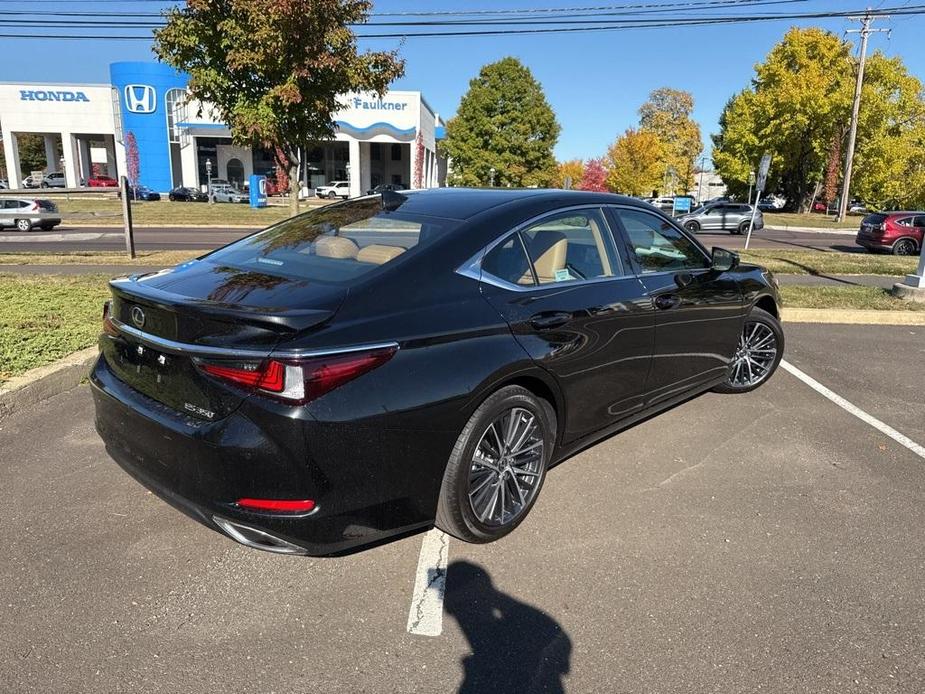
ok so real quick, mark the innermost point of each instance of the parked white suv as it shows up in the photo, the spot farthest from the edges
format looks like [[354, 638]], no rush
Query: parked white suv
[[337, 189]]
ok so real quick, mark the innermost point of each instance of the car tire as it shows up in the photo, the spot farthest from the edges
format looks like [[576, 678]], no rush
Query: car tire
[[332, 195], [23, 225], [759, 326], [742, 228], [468, 485], [905, 247], [692, 227], [171, 197], [44, 184]]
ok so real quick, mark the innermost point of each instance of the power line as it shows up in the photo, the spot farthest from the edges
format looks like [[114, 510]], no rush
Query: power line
[[558, 26]]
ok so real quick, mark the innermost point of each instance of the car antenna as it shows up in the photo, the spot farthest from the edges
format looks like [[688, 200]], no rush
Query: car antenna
[[391, 200]]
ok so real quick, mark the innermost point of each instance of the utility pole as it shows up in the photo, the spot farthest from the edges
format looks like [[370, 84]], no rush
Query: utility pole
[[865, 31]]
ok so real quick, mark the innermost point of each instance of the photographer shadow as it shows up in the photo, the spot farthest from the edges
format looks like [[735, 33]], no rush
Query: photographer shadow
[[514, 647]]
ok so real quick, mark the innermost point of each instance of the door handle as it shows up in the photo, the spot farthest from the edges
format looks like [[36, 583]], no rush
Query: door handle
[[548, 321], [667, 301]]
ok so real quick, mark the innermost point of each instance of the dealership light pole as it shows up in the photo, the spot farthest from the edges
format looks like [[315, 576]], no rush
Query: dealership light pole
[[491, 176], [865, 31], [209, 179]]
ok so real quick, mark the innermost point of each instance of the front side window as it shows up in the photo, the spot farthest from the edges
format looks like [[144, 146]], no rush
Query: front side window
[[571, 246], [657, 245], [336, 243]]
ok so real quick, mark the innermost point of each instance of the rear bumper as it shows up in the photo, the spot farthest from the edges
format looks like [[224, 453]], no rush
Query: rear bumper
[[873, 244], [201, 468]]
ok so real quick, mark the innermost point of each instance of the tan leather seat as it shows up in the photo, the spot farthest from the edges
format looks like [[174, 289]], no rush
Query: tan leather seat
[[549, 250], [335, 247], [378, 254]]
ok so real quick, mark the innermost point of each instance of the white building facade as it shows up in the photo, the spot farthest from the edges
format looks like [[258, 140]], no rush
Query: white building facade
[[86, 129]]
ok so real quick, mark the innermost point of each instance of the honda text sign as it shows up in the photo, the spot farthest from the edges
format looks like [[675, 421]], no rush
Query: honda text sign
[[140, 98]]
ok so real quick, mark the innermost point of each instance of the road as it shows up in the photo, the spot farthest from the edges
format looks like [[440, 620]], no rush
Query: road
[[169, 238], [764, 542]]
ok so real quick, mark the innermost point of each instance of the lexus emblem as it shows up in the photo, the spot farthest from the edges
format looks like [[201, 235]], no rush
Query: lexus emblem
[[138, 317]]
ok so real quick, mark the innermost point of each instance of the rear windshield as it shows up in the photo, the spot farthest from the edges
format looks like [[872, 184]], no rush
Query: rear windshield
[[336, 243], [875, 218]]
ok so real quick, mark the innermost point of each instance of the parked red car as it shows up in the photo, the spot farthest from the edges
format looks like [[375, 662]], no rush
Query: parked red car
[[898, 232], [102, 182]]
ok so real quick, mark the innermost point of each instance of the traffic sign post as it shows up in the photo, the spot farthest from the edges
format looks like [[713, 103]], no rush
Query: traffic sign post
[[763, 169]]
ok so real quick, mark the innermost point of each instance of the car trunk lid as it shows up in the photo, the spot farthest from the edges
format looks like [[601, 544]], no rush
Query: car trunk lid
[[171, 322]]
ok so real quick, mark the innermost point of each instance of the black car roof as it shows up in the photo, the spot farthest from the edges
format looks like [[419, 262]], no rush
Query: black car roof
[[463, 203]]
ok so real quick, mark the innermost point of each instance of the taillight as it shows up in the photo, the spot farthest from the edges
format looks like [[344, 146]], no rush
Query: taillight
[[297, 380], [108, 326]]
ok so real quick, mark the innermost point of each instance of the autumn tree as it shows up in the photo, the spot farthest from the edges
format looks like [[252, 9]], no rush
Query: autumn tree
[[635, 162], [594, 177], [800, 96], [668, 114], [274, 69], [132, 159], [505, 123], [890, 128], [572, 170]]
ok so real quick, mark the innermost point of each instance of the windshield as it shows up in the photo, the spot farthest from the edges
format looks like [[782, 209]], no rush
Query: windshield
[[336, 243]]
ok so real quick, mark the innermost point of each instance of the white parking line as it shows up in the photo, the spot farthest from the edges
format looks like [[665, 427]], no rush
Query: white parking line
[[898, 437], [425, 617]]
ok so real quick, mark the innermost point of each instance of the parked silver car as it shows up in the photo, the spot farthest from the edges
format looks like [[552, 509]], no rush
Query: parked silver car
[[227, 193], [26, 213], [733, 217], [55, 179]]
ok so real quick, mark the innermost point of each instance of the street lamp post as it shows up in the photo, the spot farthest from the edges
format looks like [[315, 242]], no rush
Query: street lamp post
[[751, 182], [491, 176], [209, 179]]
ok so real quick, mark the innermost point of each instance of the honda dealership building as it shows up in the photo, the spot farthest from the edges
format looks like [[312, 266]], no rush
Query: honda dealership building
[[378, 140]]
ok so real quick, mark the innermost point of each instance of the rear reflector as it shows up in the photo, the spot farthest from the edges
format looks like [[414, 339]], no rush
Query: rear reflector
[[278, 505]]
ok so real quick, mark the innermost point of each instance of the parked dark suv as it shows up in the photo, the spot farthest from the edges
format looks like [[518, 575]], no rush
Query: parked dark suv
[[377, 366], [899, 233]]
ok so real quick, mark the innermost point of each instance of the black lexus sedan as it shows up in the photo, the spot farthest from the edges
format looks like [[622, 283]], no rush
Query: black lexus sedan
[[378, 366]]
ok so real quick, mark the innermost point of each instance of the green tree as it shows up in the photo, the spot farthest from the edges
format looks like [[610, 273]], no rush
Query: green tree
[[635, 162], [274, 69], [667, 113], [504, 123], [800, 96]]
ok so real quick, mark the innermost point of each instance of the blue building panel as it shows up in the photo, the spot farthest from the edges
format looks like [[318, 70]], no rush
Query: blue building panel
[[142, 88]]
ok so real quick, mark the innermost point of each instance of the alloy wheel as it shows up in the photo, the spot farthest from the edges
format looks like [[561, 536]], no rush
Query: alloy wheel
[[904, 247], [755, 355], [507, 467]]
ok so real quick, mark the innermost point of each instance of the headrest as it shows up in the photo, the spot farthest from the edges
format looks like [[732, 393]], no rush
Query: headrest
[[378, 254]]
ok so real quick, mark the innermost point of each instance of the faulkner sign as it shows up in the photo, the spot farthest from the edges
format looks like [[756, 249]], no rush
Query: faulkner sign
[[47, 95]]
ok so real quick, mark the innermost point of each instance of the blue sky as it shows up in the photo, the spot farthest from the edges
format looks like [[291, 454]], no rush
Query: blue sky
[[595, 82]]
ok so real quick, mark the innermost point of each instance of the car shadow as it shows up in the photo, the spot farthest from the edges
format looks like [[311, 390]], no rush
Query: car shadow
[[514, 647]]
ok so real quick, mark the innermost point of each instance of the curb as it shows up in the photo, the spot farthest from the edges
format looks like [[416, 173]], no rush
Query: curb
[[852, 317], [45, 381], [810, 230]]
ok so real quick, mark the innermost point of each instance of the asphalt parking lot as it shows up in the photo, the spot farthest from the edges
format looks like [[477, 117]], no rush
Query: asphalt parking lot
[[766, 542]]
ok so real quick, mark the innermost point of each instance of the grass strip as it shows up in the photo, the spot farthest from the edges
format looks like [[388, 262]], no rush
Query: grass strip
[[45, 317]]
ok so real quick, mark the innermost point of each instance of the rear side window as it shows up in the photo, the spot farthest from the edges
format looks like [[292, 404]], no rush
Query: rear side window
[[874, 219], [507, 261], [571, 246], [336, 243]]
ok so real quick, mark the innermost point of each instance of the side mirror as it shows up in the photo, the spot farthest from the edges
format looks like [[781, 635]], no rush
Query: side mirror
[[724, 260]]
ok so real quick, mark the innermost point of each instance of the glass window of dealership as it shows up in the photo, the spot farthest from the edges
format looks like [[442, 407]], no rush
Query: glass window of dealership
[[378, 140]]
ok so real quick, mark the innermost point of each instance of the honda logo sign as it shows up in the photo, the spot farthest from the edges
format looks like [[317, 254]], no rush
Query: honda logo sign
[[140, 98]]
